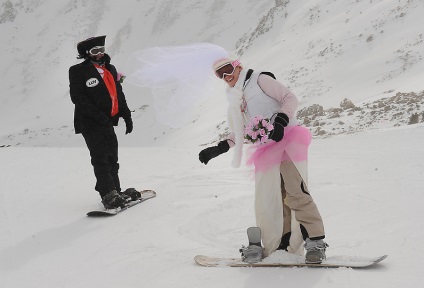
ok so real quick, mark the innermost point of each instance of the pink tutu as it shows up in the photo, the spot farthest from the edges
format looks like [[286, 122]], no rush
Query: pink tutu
[[293, 147]]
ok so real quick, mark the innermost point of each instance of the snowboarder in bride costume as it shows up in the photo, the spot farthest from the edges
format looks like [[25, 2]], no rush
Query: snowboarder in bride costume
[[99, 103], [280, 178], [180, 76]]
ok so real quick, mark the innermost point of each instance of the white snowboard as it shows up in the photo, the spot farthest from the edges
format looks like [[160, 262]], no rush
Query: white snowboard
[[284, 259]]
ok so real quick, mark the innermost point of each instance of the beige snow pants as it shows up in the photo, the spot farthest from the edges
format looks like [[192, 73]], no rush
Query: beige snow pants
[[269, 208], [296, 198]]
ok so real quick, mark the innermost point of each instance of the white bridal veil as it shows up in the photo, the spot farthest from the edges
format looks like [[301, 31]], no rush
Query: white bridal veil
[[178, 76]]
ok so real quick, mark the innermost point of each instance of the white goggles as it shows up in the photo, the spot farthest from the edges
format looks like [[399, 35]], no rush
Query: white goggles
[[97, 50]]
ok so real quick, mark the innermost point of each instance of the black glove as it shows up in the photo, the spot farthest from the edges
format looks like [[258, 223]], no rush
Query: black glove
[[281, 121], [129, 124], [207, 154]]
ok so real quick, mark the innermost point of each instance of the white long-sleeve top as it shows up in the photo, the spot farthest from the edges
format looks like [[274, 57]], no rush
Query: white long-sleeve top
[[279, 92]]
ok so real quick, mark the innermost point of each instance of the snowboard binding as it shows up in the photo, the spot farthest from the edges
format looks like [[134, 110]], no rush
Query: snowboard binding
[[132, 193], [254, 252]]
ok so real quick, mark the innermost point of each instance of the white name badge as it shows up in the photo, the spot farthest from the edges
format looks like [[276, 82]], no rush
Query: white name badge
[[92, 82]]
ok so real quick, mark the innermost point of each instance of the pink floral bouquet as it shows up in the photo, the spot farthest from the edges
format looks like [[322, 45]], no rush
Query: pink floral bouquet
[[258, 130]]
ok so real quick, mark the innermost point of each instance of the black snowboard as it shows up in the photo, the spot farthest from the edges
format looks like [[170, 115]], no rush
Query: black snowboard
[[145, 195]]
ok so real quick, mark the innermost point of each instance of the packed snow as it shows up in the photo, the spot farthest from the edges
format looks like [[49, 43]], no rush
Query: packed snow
[[357, 68]]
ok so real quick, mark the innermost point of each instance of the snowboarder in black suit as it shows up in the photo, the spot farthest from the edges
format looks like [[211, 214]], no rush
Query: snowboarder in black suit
[[99, 103]]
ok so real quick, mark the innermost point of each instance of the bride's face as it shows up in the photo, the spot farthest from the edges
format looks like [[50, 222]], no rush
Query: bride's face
[[231, 79]]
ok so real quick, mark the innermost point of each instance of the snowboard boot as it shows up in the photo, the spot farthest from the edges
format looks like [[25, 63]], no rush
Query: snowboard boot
[[125, 197], [254, 252], [315, 251], [132, 194], [285, 242], [113, 200]]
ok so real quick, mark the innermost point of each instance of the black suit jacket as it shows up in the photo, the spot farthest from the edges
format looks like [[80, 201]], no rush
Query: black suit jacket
[[92, 100]]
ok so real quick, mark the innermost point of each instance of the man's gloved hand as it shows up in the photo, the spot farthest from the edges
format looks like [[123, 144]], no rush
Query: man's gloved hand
[[207, 154], [281, 121], [129, 124]]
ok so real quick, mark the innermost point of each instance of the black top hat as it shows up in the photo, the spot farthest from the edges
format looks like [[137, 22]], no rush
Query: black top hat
[[89, 43]]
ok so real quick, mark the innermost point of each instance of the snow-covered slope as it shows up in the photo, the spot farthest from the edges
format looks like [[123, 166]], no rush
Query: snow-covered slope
[[368, 188], [366, 181]]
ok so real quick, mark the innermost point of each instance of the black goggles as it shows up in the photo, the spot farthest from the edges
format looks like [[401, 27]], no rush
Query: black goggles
[[97, 50]]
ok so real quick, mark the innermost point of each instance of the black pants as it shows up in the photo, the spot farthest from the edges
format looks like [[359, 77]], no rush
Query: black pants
[[103, 146]]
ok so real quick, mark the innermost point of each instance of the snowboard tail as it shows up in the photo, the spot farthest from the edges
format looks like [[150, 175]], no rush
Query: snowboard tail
[[291, 260], [145, 195]]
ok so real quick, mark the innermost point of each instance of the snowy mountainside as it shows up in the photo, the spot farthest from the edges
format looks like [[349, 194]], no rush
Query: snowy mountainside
[[357, 67], [398, 110], [330, 50], [325, 51]]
